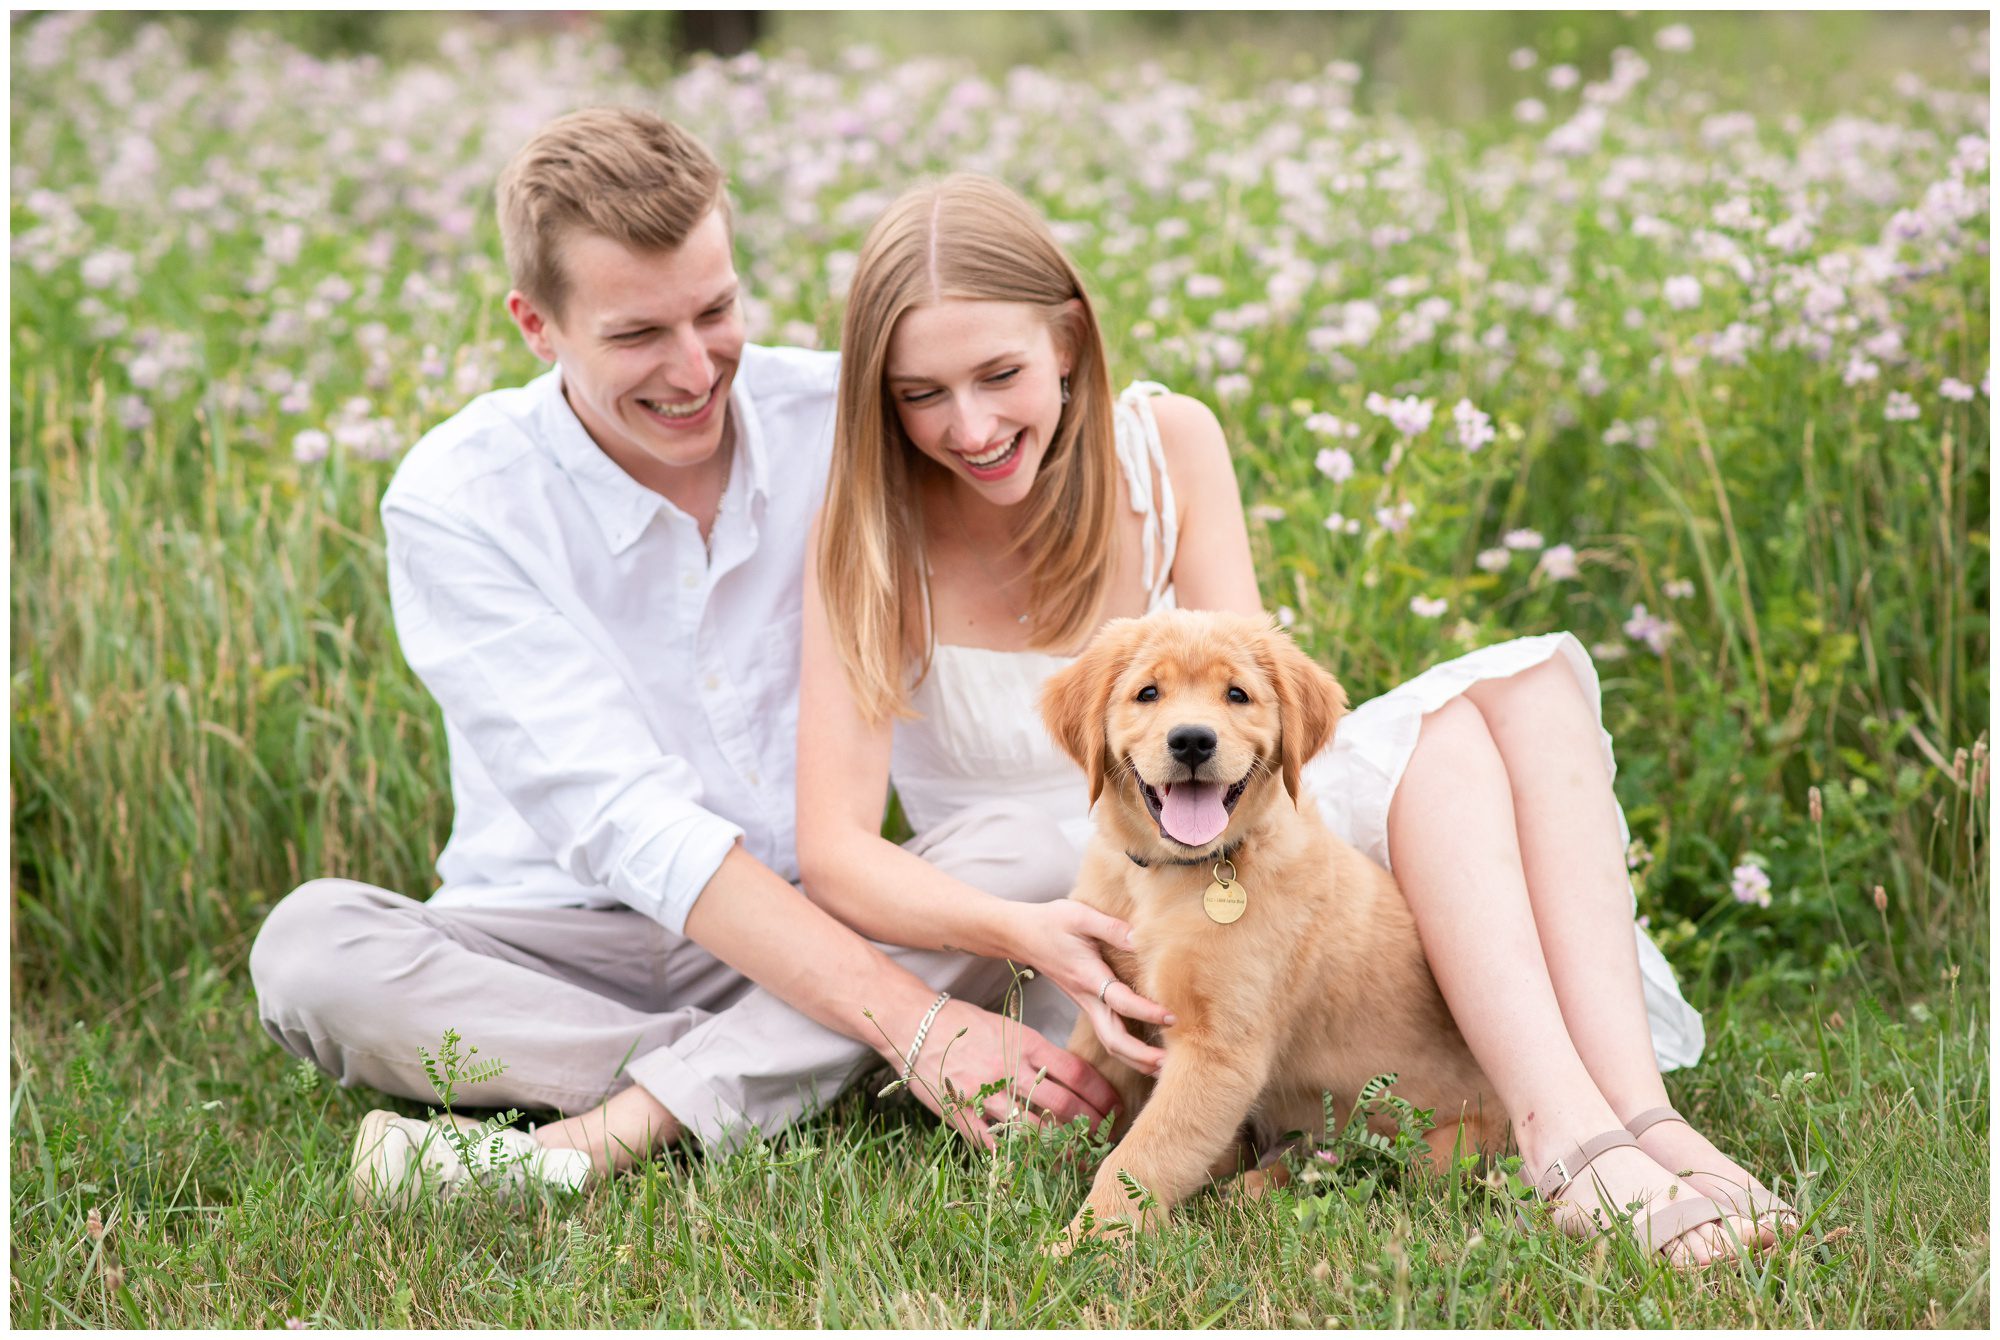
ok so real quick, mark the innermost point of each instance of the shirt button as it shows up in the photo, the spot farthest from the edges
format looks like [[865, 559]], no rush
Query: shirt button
[[690, 581], [712, 683], [754, 779]]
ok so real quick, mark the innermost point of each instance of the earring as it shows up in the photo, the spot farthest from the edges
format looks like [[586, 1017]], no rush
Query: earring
[[1065, 388]]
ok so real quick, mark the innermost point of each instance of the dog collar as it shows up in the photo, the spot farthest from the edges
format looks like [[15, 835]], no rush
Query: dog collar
[[1222, 855]]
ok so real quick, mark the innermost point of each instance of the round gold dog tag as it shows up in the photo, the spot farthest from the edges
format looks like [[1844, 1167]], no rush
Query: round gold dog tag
[[1225, 900]]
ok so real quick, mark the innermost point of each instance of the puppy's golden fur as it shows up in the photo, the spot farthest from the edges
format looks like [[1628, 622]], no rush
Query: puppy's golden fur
[[1322, 982]]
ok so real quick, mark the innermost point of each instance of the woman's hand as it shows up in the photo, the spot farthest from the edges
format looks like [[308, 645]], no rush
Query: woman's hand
[[968, 1048], [1061, 941]]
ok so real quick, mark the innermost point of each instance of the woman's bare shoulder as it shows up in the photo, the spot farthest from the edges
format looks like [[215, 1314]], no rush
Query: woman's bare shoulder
[[1191, 439]]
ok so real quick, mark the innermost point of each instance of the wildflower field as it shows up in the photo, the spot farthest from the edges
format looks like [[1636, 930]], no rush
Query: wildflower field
[[1699, 375]]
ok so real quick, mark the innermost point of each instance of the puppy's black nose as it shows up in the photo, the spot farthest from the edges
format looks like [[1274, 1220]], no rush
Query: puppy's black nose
[[1192, 745]]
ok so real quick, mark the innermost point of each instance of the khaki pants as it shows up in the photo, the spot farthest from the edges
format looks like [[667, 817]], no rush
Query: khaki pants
[[580, 1003]]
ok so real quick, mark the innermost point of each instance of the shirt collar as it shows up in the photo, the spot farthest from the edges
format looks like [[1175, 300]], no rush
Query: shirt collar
[[620, 504]]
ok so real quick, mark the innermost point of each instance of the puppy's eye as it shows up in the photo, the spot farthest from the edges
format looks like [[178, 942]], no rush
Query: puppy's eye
[[1237, 695], [1149, 694]]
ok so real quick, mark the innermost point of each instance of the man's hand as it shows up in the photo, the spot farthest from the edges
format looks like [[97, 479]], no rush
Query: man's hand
[[968, 1049]]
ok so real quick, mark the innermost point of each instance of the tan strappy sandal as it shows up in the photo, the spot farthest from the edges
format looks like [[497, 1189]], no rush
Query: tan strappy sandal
[[1752, 1202], [1657, 1226]]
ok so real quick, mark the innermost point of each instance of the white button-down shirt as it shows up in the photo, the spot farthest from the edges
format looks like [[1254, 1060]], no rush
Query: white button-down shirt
[[620, 701]]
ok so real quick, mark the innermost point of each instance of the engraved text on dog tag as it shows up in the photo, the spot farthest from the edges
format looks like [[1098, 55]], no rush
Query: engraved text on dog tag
[[1225, 899]]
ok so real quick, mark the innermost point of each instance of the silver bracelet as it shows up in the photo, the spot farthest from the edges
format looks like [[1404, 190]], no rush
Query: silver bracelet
[[923, 1030]]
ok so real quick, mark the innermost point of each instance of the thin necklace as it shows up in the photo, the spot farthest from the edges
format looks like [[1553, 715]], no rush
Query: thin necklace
[[965, 537]]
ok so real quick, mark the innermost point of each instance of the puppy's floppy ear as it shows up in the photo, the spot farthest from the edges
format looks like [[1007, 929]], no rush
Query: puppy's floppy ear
[[1076, 698], [1310, 703]]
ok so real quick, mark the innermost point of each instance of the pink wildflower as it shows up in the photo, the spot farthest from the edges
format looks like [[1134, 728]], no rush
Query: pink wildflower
[[1335, 463], [1649, 629], [1408, 415], [1395, 519], [1750, 885], [1331, 425], [1475, 426], [1558, 563]]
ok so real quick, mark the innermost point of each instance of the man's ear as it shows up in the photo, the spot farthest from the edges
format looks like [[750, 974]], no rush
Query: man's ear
[[1310, 704], [1076, 699], [534, 326]]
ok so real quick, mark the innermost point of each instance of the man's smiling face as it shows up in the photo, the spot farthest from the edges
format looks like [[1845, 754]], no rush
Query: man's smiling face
[[648, 342]]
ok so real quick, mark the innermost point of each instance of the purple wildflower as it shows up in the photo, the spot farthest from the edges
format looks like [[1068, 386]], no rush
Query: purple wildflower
[[1649, 629]]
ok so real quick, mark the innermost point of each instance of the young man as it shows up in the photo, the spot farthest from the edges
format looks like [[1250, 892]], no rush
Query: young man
[[598, 577]]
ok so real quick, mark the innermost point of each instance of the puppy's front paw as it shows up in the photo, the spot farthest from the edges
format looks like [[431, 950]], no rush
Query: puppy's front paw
[[1090, 1223], [1257, 1183]]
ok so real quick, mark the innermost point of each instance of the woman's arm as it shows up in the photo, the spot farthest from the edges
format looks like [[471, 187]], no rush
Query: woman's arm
[[1212, 567], [845, 863], [890, 894]]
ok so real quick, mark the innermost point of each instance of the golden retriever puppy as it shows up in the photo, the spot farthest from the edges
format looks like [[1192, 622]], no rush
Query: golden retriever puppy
[[1289, 960]]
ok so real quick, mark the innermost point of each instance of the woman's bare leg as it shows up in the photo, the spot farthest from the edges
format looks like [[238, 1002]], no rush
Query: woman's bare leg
[[1566, 821], [1453, 845]]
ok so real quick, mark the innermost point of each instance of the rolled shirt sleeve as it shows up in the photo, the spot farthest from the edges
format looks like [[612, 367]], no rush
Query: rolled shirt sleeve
[[551, 716]]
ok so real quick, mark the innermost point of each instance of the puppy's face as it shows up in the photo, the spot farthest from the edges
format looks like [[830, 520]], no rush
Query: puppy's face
[[1187, 718]]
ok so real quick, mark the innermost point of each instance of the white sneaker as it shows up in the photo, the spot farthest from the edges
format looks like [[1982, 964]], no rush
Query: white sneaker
[[398, 1160]]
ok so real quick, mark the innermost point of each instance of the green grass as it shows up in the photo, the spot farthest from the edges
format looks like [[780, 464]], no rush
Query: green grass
[[218, 1168], [207, 703]]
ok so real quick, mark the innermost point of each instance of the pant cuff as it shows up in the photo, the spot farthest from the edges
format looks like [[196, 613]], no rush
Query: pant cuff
[[699, 1107]]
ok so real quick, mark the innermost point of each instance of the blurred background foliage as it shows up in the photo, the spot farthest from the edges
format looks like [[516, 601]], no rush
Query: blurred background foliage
[[208, 703], [1447, 66]]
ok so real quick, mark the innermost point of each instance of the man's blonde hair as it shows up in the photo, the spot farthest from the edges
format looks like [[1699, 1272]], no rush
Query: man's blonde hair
[[965, 237], [616, 172]]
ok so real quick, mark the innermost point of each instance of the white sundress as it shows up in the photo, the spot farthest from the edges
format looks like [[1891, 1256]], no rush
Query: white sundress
[[979, 736]]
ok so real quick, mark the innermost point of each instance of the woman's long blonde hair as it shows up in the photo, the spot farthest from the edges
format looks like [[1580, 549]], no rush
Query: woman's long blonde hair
[[966, 237]]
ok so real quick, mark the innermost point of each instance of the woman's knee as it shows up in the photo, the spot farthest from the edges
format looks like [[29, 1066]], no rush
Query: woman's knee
[[1452, 734], [1454, 750], [1544, 691]]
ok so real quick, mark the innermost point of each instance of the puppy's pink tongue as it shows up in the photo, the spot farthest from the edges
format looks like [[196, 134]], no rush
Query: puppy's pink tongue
[[1192, 812]]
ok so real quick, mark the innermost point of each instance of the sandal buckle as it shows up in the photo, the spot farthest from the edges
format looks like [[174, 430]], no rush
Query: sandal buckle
[[1562, 1168]]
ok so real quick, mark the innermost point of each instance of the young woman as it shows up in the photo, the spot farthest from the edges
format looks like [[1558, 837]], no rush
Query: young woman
[[991, 504]]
